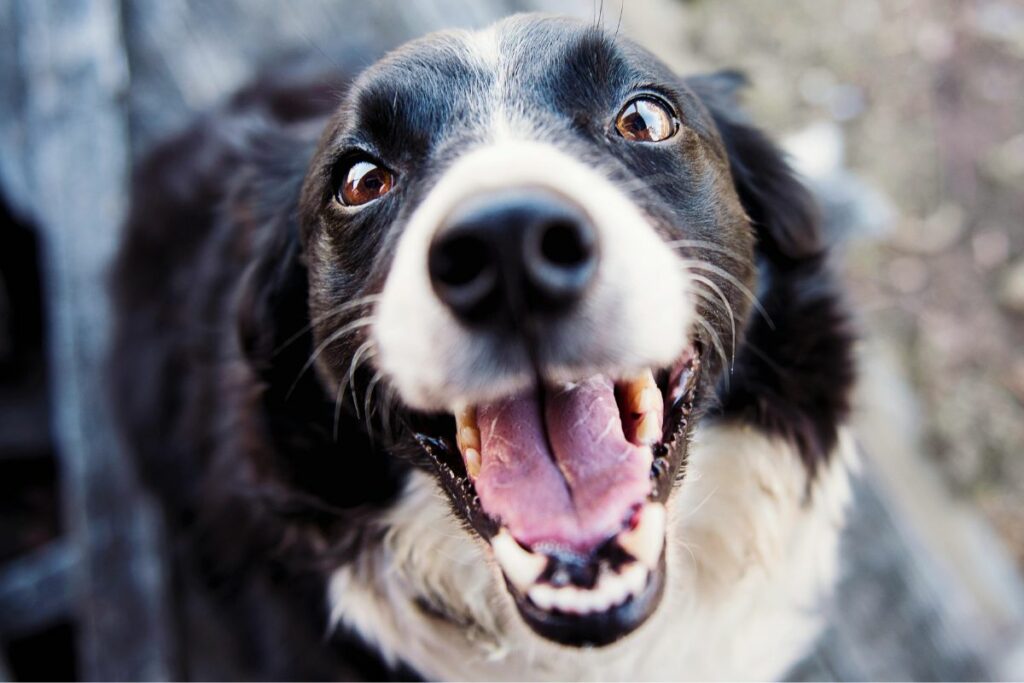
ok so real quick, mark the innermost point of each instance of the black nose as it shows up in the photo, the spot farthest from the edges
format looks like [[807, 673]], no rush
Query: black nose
[[513, 254]]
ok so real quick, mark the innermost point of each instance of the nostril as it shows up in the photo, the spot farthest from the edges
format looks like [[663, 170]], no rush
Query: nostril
[[563, 244], [463, 273], [459, 260], [559, 260]]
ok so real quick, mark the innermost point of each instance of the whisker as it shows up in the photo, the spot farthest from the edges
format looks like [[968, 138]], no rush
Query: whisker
[[337, 409], [717, 344], [700, 279], [331, 338], [707, 297], [701, 265], [701, 504], [377, 376], [347, 306], [366, 346], [687, 547]]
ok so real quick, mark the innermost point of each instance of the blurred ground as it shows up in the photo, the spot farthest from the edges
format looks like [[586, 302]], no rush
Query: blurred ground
[[926, 99]]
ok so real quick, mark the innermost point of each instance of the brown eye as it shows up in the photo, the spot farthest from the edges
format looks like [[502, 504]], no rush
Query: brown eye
[[646, 119], [363, 182]]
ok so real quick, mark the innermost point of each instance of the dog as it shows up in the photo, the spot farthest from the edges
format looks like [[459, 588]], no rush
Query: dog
[[512, 356]]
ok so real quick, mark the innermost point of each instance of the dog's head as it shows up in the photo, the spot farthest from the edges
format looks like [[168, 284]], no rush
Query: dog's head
[[531, 251]]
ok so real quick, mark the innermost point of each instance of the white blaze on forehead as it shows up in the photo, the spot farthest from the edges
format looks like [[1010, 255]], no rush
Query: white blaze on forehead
[[484, 46], [485, 49], [635, 316]]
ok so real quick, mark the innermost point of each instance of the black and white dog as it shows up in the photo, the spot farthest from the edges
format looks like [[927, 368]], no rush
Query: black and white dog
[[532, 367]]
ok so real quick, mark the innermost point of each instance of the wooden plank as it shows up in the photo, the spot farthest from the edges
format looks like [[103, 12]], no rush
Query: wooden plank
[[35, 590], [75, 77]]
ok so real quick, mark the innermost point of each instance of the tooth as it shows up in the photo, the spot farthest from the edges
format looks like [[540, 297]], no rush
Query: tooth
[[587, 601], [647, 431], [644, 542], [467, 433], [600, 601], [521, 567], [644, 407], [473, 462], [635, 577], [569, 599], [614, 589], [543, 596]]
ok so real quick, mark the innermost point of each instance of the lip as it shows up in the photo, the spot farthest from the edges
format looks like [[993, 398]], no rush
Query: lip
[[561, 593]]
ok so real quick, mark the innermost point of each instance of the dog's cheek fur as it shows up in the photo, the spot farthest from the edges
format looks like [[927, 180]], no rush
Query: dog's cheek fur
[[795, 371]]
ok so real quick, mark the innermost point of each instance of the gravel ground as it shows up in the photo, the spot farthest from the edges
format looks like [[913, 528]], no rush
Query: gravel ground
[[926, 96]]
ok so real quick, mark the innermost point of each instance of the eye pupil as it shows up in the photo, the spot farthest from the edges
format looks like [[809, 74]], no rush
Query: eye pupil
[[634, 123], [364, 182], [645, 119]]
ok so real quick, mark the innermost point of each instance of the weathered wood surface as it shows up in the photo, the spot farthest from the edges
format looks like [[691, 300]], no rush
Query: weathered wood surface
[[72, 117], [75, 161], [35, 590]]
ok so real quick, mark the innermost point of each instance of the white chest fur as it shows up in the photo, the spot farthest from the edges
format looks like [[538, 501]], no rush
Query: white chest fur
[[752, 555]]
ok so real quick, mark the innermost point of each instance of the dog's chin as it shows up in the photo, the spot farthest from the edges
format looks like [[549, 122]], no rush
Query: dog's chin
[[568, 486]]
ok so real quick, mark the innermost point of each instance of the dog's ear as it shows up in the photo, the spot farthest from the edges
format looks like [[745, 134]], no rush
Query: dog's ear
[[272, 302], [782, 210]]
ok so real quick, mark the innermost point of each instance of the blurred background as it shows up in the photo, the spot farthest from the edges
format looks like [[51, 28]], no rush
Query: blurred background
[[906, 117]]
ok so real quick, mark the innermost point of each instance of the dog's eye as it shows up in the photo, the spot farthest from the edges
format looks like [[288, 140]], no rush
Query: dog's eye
[[646, 119], [364, 181]]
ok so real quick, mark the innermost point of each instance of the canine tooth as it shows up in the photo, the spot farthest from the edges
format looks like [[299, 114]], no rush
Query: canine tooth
[[467, 433], [473, 462], [470, 438], [639, 392], [520, 565], [644, 542], [648, 429], [643, 404]]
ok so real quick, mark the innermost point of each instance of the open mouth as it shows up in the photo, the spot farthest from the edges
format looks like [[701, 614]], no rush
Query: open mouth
[[569, 486]]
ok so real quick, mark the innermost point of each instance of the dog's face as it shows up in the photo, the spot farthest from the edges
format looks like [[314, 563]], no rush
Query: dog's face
[[526, 249]]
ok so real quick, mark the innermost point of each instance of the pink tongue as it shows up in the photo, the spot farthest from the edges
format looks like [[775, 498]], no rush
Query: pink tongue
[[577, 497]]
